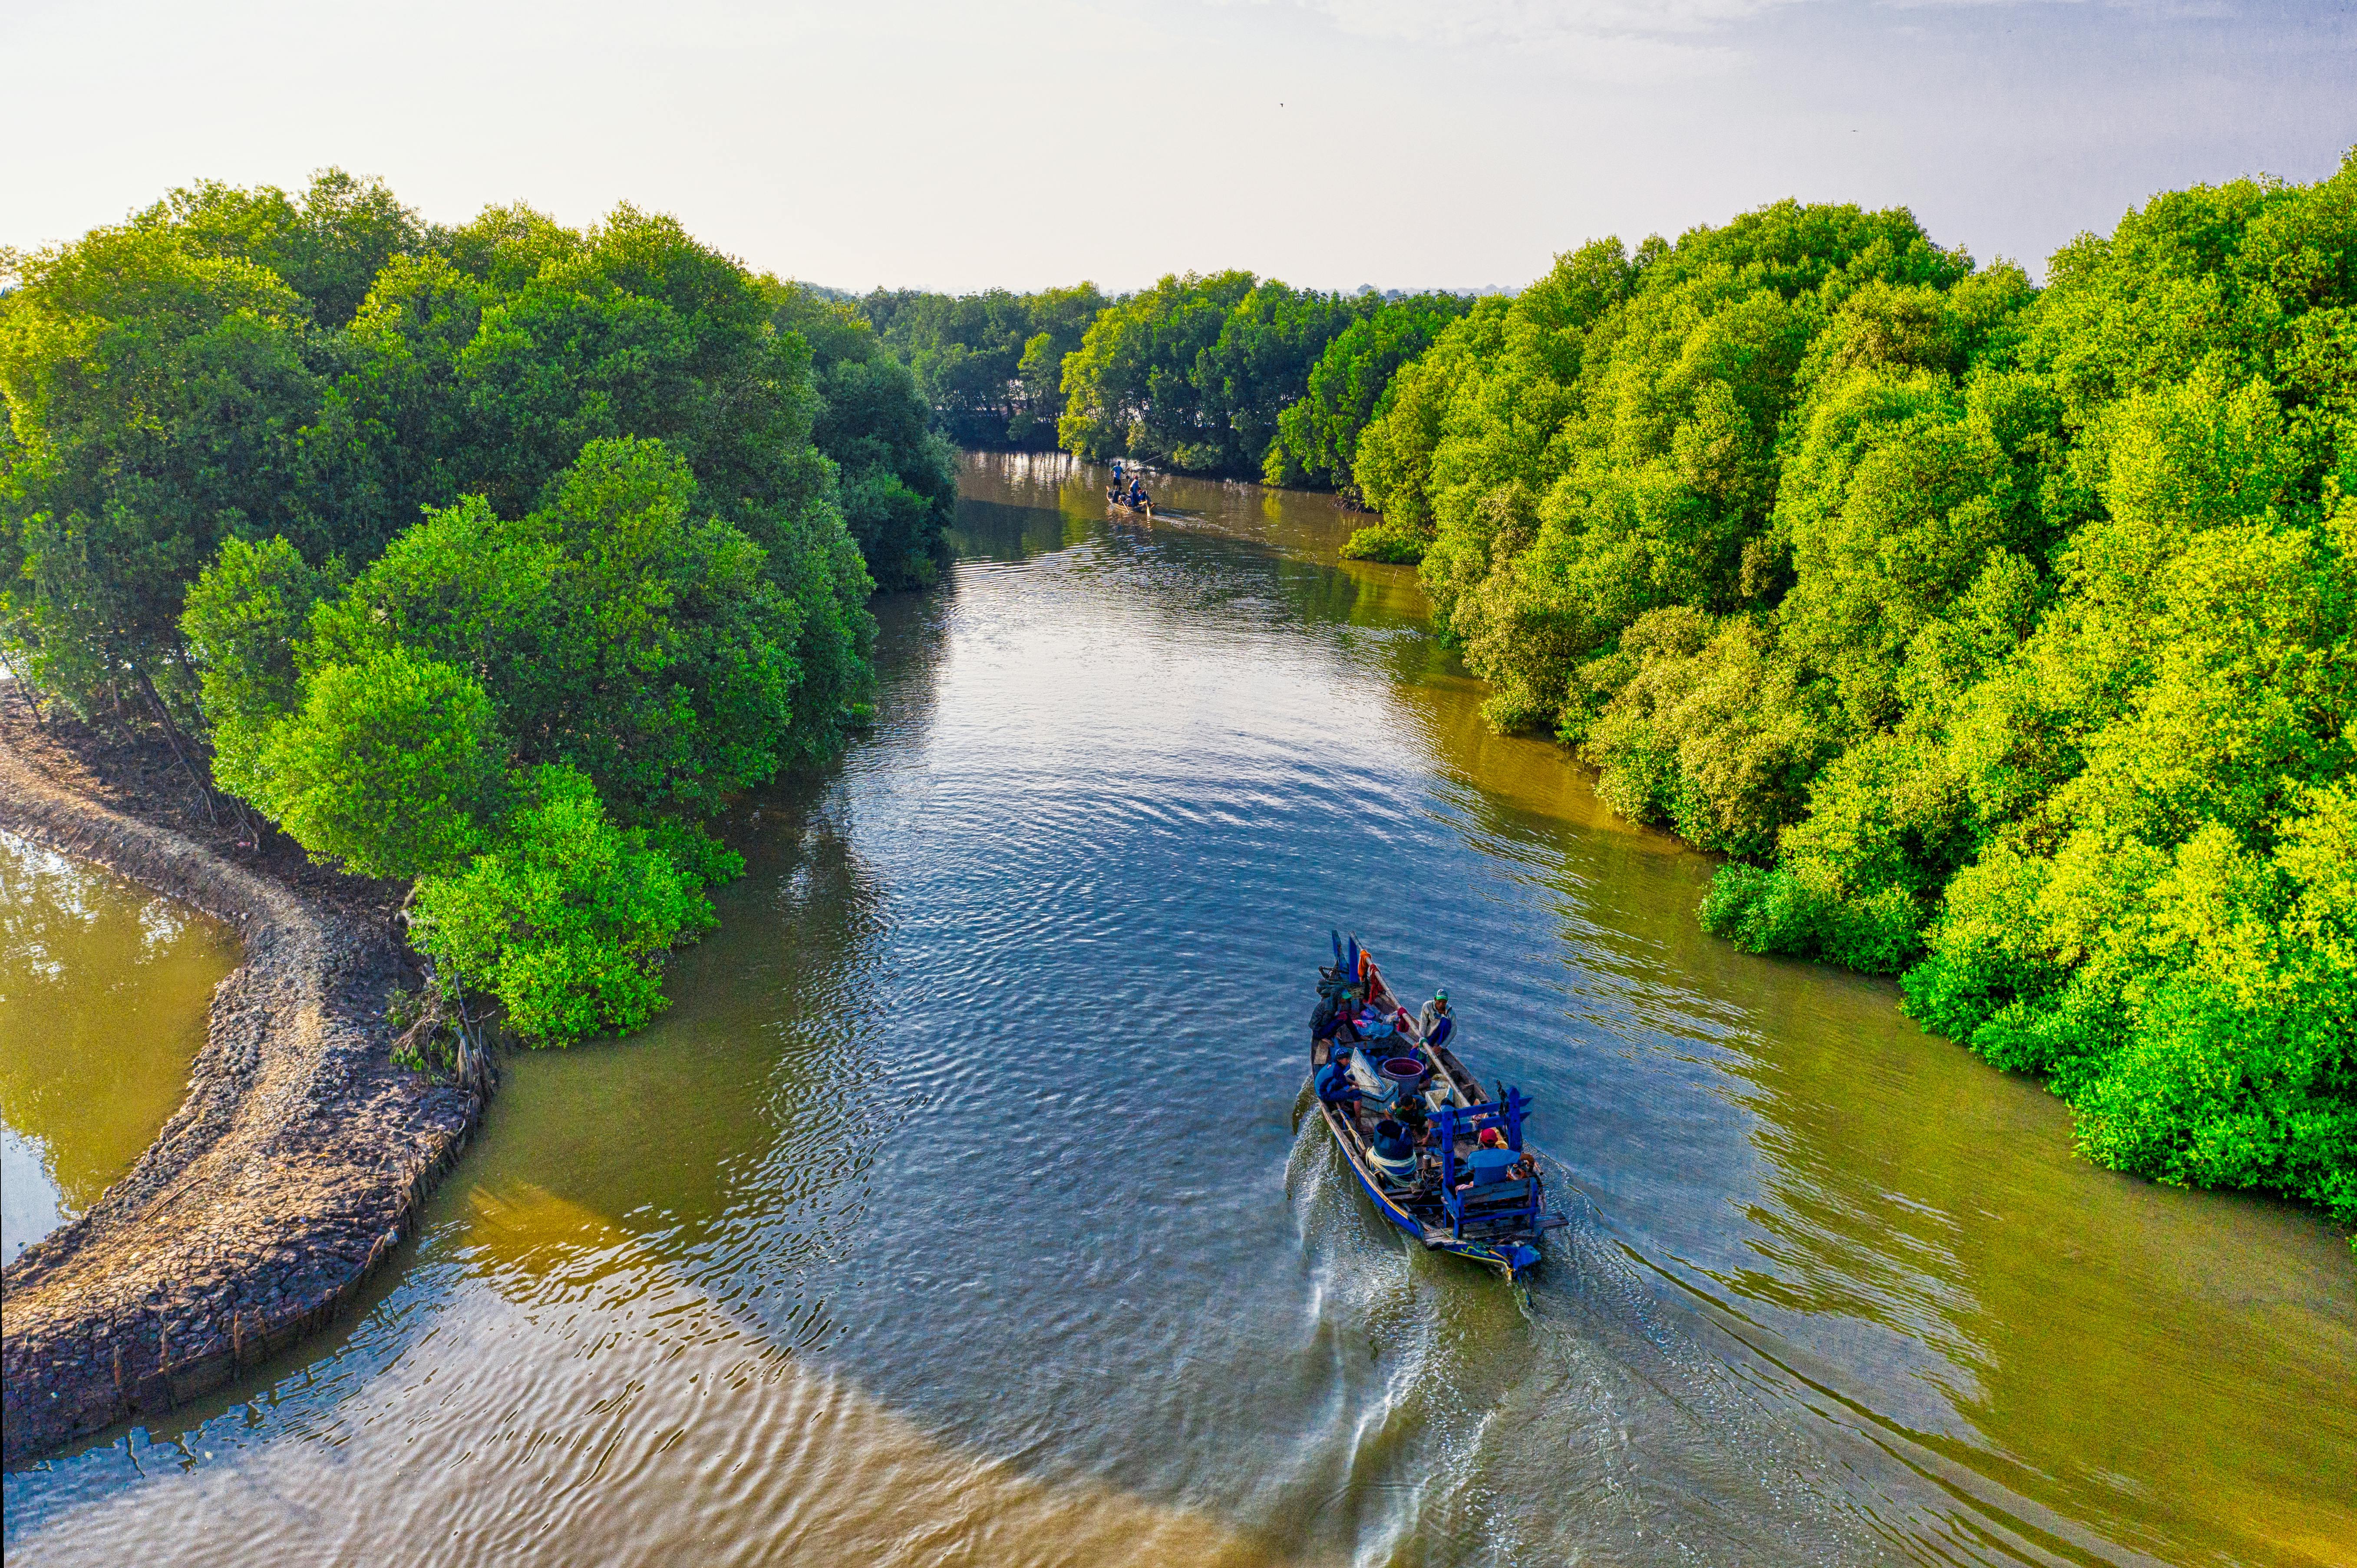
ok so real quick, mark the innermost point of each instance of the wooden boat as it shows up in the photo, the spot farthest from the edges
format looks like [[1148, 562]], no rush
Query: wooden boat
[[1430, 1193], [1115, 500]]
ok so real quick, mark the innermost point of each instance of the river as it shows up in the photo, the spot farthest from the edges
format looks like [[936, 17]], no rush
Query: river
[[960, 1209]]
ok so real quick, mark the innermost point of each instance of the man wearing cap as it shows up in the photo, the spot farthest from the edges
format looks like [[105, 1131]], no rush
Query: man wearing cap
[[1436, 1023], [1491, 1161], [1334, 1085]]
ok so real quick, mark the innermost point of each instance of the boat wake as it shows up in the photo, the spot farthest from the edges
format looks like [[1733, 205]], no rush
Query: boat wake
[[1593, 1415]]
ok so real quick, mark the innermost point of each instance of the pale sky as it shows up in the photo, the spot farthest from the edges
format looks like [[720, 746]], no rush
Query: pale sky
[[1329, 143]]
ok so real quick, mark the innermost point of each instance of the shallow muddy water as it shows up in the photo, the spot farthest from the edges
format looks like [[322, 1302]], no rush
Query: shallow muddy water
[[104, 989], [958, 1209]]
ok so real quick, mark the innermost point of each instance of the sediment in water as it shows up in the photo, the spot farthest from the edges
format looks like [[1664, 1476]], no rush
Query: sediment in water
[[298, 1160]]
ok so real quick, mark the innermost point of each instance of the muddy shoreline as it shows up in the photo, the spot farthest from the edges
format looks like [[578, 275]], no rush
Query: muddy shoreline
[[298, 1159]]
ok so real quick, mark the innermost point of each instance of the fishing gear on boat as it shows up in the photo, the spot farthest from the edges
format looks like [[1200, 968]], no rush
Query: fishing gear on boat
[[1441, 1156]]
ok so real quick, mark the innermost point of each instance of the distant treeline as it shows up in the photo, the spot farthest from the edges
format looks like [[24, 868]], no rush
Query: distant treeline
[[1225, 376], [2004, 638], [488, 557], [989, 366]]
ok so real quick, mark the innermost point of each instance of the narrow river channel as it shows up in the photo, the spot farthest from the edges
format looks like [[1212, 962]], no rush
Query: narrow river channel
[[957, 1212]]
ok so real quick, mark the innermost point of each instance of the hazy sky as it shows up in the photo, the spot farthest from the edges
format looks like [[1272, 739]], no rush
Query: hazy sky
[[1332, 143]]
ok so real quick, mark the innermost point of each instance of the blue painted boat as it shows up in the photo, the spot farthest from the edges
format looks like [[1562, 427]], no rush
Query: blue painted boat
[[1409, 1120]]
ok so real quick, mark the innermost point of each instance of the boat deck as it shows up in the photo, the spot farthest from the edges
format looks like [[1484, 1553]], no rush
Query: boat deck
[[1420, 1209]]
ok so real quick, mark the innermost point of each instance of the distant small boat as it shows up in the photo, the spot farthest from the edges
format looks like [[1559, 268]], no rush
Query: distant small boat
[[1409, 1118], [1120, 502]]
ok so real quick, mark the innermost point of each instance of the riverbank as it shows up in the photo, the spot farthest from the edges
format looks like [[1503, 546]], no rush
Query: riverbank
[[299, 1155]]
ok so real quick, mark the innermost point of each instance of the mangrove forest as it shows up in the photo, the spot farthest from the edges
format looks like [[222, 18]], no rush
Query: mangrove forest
[[2000, 635]]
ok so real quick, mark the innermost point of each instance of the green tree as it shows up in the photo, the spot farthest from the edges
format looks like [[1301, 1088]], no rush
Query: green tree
[[2003, 636], [1349, 386], [895, 480], [615, 632], [1194, 373], [157, 401], [405, 517], [989, 366], [1392, 464], [328, 246], [567, 918], [244, 616], [390, 766]]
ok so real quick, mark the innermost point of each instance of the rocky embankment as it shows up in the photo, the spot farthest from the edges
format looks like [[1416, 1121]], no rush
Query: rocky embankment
[[298, 1160]]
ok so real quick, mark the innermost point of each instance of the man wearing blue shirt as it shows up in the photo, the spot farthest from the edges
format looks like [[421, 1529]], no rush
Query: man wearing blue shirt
[[1334, 1085]]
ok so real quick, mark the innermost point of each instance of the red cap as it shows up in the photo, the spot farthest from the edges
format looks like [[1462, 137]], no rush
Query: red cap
[[1491, 1137]]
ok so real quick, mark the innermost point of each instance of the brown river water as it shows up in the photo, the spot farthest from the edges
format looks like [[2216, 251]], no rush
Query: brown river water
[[960, 1209], [103, 988]]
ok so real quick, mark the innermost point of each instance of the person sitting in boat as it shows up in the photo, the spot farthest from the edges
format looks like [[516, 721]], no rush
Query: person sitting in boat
[[1331, 1019], [1334, 1085], [1489, 1162], [1420, 1131], [1436, 1023]]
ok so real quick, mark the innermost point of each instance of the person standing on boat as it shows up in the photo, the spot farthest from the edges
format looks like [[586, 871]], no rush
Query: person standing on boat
[[1436, 1023]]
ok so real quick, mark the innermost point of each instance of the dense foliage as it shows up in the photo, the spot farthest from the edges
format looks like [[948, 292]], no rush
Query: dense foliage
[[895, 480], [1349, 385], [1223, 376], [490, 556], [990, 366], [2003, 636], [1194, 373]]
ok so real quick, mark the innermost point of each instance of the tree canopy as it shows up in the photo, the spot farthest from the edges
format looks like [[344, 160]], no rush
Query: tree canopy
[[249, 364], [895, 480], [2002, 636], [1225, 376], [1194, 373], [492, 556], [1349, 385]]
